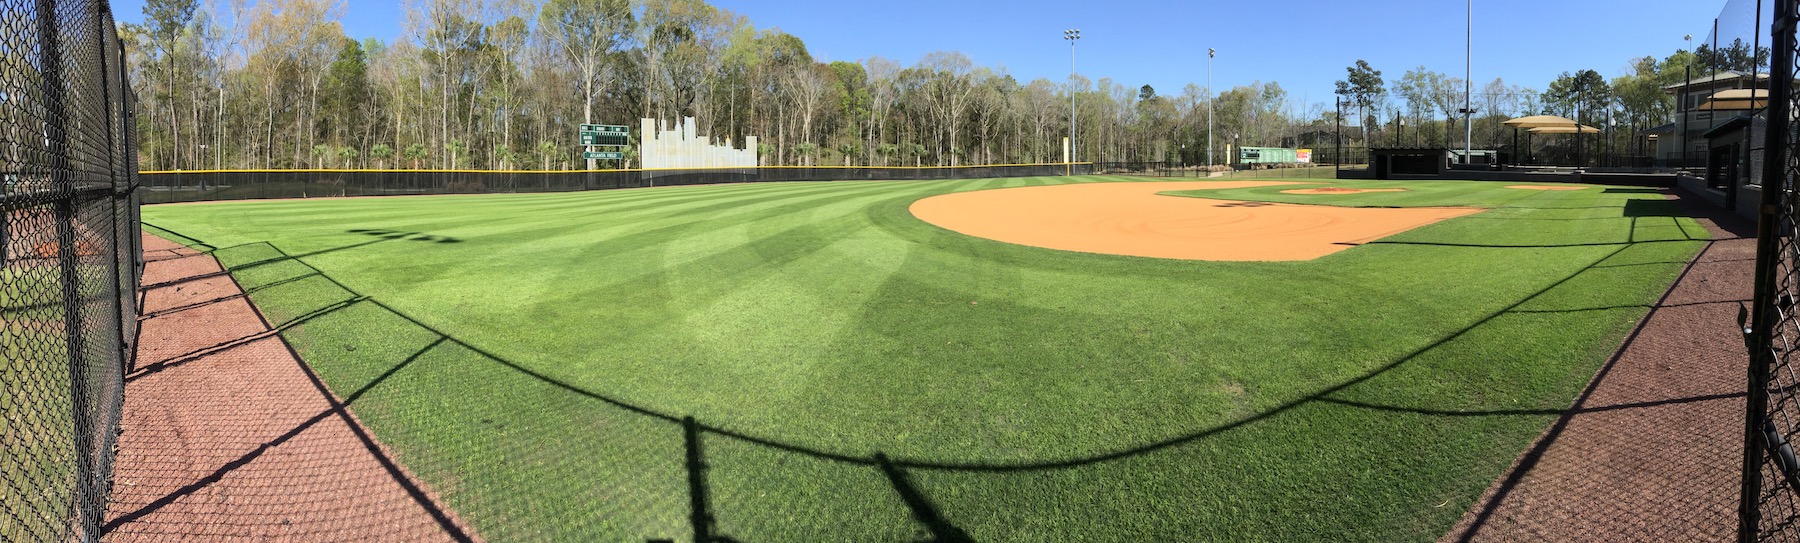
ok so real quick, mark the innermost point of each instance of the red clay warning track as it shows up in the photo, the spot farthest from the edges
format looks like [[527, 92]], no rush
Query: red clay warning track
[[227, 436], [1132, 219]]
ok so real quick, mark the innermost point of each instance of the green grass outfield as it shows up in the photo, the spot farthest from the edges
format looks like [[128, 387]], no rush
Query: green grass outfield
[[530, 357]]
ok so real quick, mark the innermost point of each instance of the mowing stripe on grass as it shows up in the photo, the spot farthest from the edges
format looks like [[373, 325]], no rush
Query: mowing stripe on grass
[[1027, 394]]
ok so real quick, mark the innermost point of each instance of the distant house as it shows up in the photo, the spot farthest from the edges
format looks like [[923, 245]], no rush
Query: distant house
[[1693, 118]]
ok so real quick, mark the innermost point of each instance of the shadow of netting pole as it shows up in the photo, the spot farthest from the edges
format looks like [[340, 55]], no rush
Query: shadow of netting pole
[[942, 531], [696, 468], [1765, 316]]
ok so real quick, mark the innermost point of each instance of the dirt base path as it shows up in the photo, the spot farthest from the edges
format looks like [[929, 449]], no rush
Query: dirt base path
[[1132, 219], [1652, 448], [228, 437]]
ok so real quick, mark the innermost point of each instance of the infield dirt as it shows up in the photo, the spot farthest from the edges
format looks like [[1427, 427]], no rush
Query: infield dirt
[[1133, 219]]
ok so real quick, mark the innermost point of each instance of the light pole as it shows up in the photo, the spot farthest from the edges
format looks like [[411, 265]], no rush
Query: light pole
[[1338, 162], [1210, 52], [1580, 96], [1072, 35], [1468, 80], [1688, 72]]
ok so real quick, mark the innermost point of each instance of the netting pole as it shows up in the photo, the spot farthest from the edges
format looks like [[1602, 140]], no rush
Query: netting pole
[[1338, 161], [62, 185], [106, 95], [1768, 231]]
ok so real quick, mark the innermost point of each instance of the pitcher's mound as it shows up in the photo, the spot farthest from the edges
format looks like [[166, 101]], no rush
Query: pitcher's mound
[[1132, 219], [1338, 190]]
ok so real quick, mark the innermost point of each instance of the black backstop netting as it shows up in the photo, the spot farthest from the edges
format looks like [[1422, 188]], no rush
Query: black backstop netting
[[68, 264], [167, 187], [1770, 505]]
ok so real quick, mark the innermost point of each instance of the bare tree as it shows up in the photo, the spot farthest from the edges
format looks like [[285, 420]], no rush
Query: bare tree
[[807, 85], [587, 32], [948, 92]]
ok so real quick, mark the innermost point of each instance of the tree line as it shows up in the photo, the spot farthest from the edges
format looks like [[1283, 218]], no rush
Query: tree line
[[1423, 107], [504, 84]]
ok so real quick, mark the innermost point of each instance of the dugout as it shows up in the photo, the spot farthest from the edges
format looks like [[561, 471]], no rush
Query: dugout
[[1408, 162], [1732, 178]]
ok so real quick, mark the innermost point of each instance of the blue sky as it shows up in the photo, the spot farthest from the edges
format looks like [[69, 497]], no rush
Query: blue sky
[[1303, 44]]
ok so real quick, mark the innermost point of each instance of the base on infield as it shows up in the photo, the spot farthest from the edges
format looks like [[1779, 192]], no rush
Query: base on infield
[[1132, 219]]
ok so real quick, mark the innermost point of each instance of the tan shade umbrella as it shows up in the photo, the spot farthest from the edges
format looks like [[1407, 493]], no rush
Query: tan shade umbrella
[[1540, 121], [1584, 129], [1737, 100]]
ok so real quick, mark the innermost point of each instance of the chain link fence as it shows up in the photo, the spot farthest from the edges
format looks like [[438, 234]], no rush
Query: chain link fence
[[1177, 170], [1769, 507], [168, 187], [68, 264]]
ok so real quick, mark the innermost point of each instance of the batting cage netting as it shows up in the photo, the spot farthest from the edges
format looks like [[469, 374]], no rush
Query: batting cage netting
[[69, 264]]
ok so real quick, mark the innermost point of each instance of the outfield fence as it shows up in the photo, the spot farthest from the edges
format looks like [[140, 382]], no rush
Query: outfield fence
[[1769, 506], [1176, 170], [193, 186], [69, 264]]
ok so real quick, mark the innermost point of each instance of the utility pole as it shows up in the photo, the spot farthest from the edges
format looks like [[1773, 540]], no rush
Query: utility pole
[[1072, 35], [1210, 53]]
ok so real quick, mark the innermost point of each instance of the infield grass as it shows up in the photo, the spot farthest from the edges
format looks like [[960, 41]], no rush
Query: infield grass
[[530, 358]]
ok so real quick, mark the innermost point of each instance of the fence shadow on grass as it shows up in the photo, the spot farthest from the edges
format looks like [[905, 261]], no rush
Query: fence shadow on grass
[[701, 510], [1738, 229], [336, 410], [1533, 456]]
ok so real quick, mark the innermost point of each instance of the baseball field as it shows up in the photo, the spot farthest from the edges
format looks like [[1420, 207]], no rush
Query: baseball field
[[855, 372]]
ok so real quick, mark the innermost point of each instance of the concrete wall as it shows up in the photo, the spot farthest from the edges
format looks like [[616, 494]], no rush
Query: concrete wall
[[682, 146], [1748, 197]]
